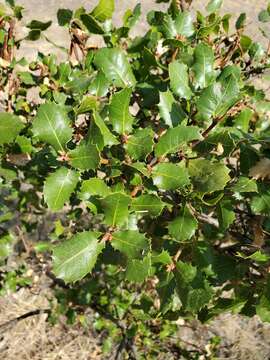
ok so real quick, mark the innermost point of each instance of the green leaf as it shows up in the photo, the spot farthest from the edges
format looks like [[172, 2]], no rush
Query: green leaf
[[87, 104], [59, 186], [94, 186], [176, 137], [147, 205], [52, 125], [39, 25], [214, 5], [10, 127], [6, 246], [208, 176], [119, 111], [140, 144], [138, 270], [226, 215], [99, 86], [104, 10], [263, 309], [130, 242], [242, 120], [115, 66], [184, 226], [139, 166], [64, 16], [91, 24], [264, 16], [115, 207], [84, 157], [168, 176], [260, 204], [170, 111], [108, 138], [245, 185], [179, 80], [218, 98], [203, 67], [76, 257], [183, 24]]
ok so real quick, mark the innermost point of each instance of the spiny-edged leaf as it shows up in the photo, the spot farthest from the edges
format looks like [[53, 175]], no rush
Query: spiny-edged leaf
[[203, 66], [170, 111], [10, 127], [226, 215], [244, 184], [138, 270], [140, 144], [94, 136], [94, 186], [100, 85], [91, 24], [182, 25], [76, 257], [87, 104], [139, 166], [164, 258], [114, 64], [115, 207], [169, 176], [104, 10], [218, 98], [260, 204], [179, 80], [176, 137], [59, 186], [39, 25], [108, 138], [214, 5], [84, 157], [193, 290], [208, 176], [147, 205], [130, 242], [120, 116], [184, 226], [52, 125]]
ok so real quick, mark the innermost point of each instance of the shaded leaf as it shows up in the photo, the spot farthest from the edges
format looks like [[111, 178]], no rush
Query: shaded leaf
[[170, 111], [140, 144], [130, 242], [108, 138], [184, 226], [10, 127], [115, 207], [138, 270], [84, 157], [119, 111], [94, 186]]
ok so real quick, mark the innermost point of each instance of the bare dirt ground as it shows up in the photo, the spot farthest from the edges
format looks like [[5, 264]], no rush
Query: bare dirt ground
[[34, 338]]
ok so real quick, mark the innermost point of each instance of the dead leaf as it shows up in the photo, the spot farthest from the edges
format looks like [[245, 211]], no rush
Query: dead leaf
[[261, 170]]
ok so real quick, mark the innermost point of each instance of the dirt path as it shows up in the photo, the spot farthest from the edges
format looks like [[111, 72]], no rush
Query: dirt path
[[46, 10]]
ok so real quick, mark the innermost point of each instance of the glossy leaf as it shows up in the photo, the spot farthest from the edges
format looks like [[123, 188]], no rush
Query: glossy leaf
[[167, 176], [115, 207], [179, 79], [147, 205], [76, 257], [59, 186], [170, 111], [108, 138], [218, 98], [84, 157], [203, 67], [120, 116], [175, 138], [115, 66], [52, 125], [94, 186], [130, 242]]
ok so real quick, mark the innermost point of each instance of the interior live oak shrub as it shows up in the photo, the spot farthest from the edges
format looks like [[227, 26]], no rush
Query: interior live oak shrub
[[152, 153]]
